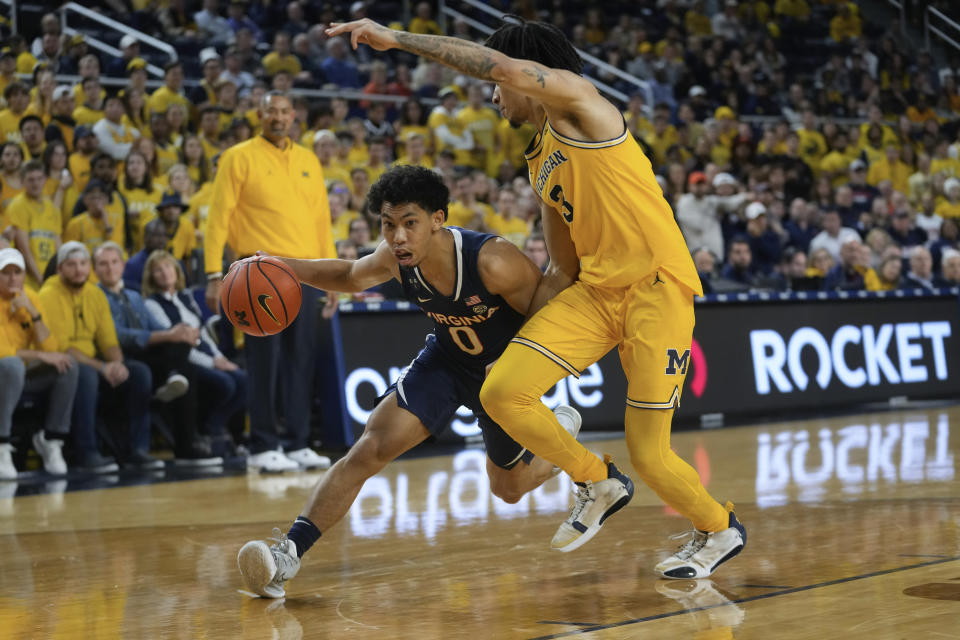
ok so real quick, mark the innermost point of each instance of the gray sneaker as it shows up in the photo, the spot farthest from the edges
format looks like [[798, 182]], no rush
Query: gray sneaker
[[266, 569], [93, 462]]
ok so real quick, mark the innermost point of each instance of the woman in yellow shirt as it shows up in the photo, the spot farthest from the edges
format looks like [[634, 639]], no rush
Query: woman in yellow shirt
[[59, 180], [192, 155], [141, 194], [135, 108], [886, 277], [148, 148]]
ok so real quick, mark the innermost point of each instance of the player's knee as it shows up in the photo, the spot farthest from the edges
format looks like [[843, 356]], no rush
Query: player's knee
[[502, 398], [505, 490], [493, 397], [369, 453]]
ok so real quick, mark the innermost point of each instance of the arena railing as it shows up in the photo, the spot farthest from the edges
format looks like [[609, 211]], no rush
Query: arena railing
[[935, 22], [642, 86], [74, 8]]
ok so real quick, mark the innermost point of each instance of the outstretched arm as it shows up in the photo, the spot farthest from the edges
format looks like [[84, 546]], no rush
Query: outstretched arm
[[550, 86], [348, 276]]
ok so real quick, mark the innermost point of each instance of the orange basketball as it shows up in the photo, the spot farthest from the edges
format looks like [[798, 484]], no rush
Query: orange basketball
[[261, 295]]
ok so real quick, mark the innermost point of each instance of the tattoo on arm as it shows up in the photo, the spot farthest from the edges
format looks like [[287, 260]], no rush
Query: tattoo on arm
[[462, 55], [539, 75]]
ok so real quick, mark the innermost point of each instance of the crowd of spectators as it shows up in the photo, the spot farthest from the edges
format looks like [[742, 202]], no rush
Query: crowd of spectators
[[801, 145]]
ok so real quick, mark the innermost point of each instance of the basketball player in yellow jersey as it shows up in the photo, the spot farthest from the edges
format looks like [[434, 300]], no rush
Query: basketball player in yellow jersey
[[619, 275]]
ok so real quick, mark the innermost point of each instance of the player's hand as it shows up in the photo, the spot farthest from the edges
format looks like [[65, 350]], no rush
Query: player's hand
[[213, 294], [365, 31]]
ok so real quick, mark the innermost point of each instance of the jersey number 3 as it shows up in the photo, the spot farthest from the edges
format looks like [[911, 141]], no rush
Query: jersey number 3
[[566, 209]]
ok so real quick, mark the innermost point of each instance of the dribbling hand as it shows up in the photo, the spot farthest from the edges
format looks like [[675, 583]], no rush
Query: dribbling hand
[[365, 31]]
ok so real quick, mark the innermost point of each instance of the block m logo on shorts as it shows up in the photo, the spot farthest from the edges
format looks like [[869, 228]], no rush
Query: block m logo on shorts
[[677, 361]]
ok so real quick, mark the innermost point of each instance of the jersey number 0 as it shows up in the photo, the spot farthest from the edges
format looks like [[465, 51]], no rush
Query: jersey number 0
[[467, 339]]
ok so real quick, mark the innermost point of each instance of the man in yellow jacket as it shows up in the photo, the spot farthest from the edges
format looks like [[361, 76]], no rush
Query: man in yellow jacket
[[29, 361], [269, 195], [78, 315]]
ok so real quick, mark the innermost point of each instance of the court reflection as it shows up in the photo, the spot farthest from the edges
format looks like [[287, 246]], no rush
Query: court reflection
[[711, 614], [801, 465], [460, 496]]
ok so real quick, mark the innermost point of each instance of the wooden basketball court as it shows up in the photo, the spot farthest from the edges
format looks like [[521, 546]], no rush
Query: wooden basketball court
[[853, 524]]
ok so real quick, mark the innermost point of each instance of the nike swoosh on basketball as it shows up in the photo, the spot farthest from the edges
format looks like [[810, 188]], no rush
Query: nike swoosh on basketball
[[262, 301]]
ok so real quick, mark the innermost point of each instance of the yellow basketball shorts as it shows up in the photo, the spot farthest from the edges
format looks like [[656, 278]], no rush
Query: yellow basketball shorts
[[651, 322]]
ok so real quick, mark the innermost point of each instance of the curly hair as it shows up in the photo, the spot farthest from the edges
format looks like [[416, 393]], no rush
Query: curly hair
[[537, 41], [409, 184]]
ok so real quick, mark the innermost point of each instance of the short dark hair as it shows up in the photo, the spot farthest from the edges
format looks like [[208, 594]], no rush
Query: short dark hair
[[537, 41], [173, 64], [30, 118], [102, 155], [408, 184]]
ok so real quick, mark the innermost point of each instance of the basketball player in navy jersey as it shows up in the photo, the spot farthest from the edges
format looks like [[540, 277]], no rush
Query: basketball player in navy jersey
[[477, 289]]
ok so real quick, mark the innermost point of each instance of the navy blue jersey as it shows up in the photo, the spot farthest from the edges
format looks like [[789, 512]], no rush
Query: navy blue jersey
[[472, 325]]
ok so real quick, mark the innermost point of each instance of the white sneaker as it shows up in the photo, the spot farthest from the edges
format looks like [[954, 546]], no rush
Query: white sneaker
[[308, 458], [710, 608], [570, 419], [266, 569], [175, 386], [596, 501], [52, 453], [271, 462], [704, 552], [7, 470]]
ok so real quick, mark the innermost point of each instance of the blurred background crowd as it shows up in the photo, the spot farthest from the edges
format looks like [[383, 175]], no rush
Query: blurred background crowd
[[778, 130]]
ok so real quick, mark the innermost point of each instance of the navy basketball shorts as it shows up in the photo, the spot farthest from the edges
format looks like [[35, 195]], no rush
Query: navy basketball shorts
[[434, 386]]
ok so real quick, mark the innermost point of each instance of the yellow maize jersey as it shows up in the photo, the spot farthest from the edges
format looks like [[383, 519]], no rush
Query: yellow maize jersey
[[622, 227]]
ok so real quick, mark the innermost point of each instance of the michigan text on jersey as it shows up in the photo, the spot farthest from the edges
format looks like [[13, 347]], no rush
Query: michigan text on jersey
[[552, 162]]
